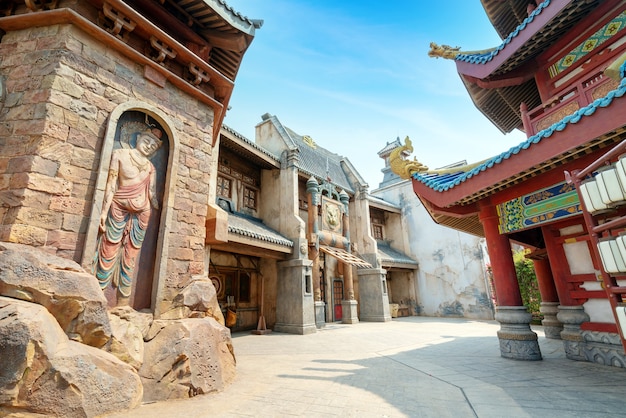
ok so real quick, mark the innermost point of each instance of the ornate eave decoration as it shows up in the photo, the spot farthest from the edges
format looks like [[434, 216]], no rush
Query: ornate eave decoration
[[122, 28]]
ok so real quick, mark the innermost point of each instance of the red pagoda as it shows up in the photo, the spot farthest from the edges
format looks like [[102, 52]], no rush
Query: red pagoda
[[559, 77]]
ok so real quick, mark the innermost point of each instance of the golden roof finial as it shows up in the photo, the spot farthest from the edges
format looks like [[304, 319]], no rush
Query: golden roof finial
[[448, 52], [400, 166]]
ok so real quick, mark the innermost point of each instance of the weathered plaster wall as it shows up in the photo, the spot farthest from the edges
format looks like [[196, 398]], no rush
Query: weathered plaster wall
[[402, 291], [62, 85], [452, 265], [360, 233]]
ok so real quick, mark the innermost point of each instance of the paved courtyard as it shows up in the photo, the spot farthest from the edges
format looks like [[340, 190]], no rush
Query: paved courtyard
[[410, 367]]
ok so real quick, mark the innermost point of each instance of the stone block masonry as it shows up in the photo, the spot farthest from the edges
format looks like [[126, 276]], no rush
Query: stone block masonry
[[61, 87]]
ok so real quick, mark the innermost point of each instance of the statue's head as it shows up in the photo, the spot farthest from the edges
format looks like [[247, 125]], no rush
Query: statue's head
[[149, 141]]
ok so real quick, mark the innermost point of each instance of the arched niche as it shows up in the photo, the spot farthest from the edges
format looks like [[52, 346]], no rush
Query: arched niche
[[152, 260]]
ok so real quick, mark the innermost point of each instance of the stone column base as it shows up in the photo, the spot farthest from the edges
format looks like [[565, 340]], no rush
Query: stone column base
[[349, 314], [517, 340], [320, 314], [295, 329], [552, 327], [573, 342], [604, 348]]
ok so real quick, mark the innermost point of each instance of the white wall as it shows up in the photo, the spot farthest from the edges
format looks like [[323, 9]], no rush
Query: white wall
[[452, 277]]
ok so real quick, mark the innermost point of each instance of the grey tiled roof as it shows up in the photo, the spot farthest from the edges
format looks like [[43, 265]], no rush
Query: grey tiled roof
[[250, 143], [382, 202], [390, 146], [253, 228], [315, 160], [390, 256]]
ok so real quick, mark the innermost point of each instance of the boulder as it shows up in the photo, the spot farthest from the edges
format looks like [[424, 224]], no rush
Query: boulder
[[70, 294], [42, 371], [129, 328], [197, 300], [186, 357]]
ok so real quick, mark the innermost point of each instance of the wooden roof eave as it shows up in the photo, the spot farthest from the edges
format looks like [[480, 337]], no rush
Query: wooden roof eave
[[531, 159], [505, 15], [66, 15], [533, 28], [449, 217], [249, 152]]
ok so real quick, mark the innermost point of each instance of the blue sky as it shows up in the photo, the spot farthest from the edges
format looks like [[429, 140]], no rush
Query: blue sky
[[354, 75]]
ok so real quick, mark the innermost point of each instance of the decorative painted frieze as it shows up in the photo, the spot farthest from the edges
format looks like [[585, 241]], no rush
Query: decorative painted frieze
[[546, 205]]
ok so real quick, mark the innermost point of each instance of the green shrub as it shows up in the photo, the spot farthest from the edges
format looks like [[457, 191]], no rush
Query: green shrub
[[529, 288]]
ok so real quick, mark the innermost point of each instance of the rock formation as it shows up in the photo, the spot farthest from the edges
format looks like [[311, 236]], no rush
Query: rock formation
[[63, 354]]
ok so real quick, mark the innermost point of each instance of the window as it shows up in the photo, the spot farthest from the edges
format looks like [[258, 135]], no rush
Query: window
[[244, 287], [377, 232], [237, 285], [224, 187], [249, 197], [377, 220]]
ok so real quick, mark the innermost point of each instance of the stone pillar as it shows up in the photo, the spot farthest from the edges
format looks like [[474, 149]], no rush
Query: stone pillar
[[517, 341], [373, 295], [295, 310], [313, 190], [549, 298], [320, 314], [573, 342], [348, 305]]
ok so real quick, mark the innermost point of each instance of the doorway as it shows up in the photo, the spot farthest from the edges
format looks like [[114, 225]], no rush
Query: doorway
[[337, 298]]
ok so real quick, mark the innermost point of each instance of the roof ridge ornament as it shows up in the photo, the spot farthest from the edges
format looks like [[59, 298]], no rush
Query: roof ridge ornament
[[406, 168], [400, 166], [448, 52]]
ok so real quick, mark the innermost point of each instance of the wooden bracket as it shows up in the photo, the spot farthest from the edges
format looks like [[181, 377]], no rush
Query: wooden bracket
[[198, 75], [163, 50], [36, 5], [119, 20]]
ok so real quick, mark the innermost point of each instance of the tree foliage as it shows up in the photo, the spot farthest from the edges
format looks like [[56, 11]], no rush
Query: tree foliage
[[528, 285]]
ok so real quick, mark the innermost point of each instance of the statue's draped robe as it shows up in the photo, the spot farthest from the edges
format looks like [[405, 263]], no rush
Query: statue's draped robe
[[120, 243]]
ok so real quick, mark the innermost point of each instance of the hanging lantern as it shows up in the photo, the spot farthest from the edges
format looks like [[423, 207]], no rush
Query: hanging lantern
[[611, 257], [591, 196], [620, 168], [609, 186], [621, 244]]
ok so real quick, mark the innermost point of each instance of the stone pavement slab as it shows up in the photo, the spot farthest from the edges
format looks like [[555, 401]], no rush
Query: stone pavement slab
[[410, 367]]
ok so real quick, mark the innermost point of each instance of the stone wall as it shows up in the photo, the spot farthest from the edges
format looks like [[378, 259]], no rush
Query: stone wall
[[62, 87]]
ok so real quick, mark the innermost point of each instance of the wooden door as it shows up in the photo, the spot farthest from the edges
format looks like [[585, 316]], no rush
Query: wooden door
[[337, 298]]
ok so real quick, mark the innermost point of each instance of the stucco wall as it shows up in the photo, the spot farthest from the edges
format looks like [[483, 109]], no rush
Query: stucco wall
[[452, 265]]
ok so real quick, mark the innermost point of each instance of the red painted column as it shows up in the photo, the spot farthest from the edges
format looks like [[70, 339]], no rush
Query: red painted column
[[547, 289], [559, 267], [501, 258]]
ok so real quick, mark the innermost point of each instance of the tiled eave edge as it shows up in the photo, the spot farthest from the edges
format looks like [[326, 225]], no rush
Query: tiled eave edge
[[242, 236], [483, 65], [65, 16], [544, 146]]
